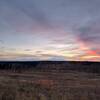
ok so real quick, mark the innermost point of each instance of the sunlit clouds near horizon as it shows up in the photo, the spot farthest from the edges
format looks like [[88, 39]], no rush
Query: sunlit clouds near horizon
[[57, 30]]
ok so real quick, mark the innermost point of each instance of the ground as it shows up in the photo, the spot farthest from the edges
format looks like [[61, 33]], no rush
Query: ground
[[49, 85]]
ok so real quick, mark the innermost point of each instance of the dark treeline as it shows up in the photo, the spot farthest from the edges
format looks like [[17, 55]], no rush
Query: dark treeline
[[20, 66]]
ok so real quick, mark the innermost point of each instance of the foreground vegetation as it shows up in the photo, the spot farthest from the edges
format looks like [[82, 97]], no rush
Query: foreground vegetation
[[53, 85]]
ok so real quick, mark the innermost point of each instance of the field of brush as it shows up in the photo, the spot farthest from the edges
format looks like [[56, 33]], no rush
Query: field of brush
[[49, 85]]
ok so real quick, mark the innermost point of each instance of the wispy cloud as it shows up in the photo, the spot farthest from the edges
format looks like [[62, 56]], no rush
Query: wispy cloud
[[50, 29]]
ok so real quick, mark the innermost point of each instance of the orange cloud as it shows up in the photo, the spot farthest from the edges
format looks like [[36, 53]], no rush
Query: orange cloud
[[91, 52], [90, 55]]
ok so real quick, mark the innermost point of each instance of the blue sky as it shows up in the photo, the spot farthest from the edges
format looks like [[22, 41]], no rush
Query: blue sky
[[50, 30]]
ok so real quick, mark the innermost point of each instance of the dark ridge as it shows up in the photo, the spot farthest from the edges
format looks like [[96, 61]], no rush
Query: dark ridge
[[21, 66]]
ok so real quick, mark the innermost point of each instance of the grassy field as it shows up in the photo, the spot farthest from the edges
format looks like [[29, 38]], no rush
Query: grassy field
[[54, 85]]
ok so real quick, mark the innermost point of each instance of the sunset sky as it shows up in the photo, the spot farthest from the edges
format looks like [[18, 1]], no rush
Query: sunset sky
[[50, 30]]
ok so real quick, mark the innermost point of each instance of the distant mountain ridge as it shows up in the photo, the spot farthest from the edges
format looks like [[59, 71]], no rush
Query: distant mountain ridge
[[20, 66]]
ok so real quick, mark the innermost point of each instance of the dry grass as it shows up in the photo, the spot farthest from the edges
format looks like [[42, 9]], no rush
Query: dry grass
[[49, 86]]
